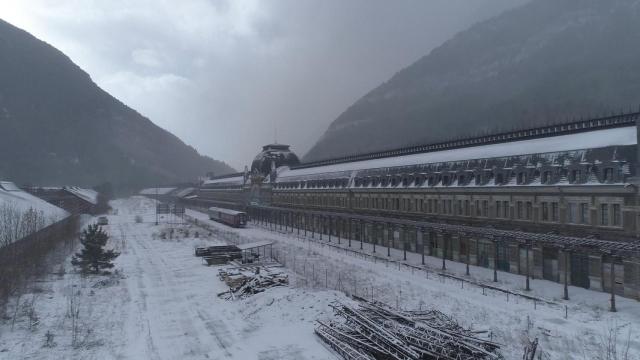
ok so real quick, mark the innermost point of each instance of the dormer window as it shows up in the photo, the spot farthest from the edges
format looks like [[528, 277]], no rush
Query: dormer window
[[394, 182], [499, 179], [445, 180], [608, 175], [461, 179], [575, 176], [546, 177], [478, 180]]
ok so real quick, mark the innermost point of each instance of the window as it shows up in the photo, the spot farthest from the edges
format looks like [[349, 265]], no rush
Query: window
[[604, 214], [555, 217], [498, 208], [529, 210], [485, 207], [467, 211], [572, 213], [608, 175], [522, 178], [584, 213], [478, 210], [575, 176], [545, 211], [546, 177], [617, 215], [519, 210], [460, 209], [505, 209]]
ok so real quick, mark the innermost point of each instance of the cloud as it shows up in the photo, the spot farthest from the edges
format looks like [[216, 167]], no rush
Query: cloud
[[222, 75]]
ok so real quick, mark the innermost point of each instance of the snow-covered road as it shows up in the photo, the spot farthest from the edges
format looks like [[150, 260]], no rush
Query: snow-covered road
[[163, 304]]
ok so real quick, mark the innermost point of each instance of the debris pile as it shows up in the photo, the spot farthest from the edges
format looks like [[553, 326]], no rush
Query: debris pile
[[373, 330], [246, 281], [220, 254]]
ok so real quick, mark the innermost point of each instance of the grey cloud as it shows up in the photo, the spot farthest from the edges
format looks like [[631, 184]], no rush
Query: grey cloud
[[222, 75]]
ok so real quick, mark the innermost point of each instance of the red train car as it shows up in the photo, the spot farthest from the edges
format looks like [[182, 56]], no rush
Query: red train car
[[226, 216]]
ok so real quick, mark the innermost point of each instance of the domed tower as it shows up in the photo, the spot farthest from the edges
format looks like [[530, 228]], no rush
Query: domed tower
[[278, 154]]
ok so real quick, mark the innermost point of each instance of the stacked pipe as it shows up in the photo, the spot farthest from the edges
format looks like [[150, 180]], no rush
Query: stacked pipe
[[372, 330]]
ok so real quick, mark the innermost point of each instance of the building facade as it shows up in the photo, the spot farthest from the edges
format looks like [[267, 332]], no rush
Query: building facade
[[556, 202]]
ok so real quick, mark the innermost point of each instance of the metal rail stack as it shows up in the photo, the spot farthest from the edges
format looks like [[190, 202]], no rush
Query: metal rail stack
[[372, 330]]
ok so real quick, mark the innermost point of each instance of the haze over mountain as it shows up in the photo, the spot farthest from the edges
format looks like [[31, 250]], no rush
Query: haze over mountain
[[58, 127], [544, 62]]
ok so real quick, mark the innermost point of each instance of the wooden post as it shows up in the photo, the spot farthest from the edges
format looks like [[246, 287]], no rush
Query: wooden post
[[403, 238], [527, 265], [613, 286], [421, 242], [374, 237], [350, 233], [362, 225], [444, 250], [495, 262], [566, 271], [388, 240]]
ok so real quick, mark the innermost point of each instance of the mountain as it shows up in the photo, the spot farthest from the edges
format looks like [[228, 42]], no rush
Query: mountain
[[58, 127], [540, 63]]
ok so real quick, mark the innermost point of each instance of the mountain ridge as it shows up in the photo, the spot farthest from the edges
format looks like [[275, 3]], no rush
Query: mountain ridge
[[59, 127], [532, 65]]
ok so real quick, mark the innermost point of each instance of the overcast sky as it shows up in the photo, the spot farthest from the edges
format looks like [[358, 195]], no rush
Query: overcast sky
[[223, 75]]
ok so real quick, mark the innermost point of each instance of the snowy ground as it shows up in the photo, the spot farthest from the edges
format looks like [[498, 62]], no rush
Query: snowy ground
[[162, 303], [580, 328]]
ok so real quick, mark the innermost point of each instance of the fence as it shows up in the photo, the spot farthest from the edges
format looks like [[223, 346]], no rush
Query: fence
[[30, 256], [310, 272]]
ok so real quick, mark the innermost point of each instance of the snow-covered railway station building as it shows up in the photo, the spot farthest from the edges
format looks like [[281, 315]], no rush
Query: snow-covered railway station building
[[556, 202]]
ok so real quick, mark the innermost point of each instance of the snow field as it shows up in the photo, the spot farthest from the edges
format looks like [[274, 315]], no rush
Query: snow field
[[585, 333], [162, 304]]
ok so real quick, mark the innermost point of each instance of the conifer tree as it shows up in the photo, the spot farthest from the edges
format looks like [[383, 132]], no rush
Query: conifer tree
[[93, 257]]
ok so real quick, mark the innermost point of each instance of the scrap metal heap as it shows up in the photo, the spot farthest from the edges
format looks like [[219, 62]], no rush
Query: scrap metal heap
[[246, 281], [372, 330]]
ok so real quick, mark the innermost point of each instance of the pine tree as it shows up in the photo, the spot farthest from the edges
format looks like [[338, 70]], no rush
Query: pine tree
[[93, 257]]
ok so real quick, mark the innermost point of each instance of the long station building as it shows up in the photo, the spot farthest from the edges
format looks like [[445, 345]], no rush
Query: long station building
[[558, 202]]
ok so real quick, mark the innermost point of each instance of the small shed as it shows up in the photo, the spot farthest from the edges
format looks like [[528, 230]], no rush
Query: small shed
[[255, 250]]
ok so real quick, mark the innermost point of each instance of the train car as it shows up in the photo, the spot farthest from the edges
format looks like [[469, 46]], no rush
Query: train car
[[226, 216]]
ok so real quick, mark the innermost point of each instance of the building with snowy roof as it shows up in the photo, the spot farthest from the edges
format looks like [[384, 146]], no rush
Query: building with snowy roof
[[74, 199], [562, 197], [29, 213]]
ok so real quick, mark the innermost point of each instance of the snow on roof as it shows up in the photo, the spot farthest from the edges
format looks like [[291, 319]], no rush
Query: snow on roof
[[184, 192], [579, 141], [157, 191], [233, 180], [88, 195], [253, 245], [23, 201], [8, 186]]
